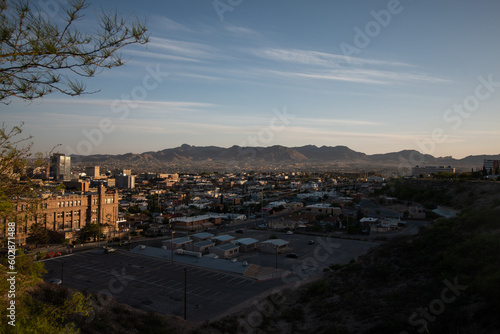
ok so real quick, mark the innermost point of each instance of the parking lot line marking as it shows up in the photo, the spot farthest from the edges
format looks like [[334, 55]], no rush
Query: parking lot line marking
[[215, 294], [155, 281], [172, 286], [232, 279], [147, 271], [216, 274], [243, 281], [212, 298], [192, 291]]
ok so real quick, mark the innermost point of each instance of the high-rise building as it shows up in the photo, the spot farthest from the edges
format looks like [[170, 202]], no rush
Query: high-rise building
[[125, 181], [93, 171], [60, 167], [429, 170], [491, 166]]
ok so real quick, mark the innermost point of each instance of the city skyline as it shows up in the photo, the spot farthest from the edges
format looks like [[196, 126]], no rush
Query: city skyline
[[376, 77]]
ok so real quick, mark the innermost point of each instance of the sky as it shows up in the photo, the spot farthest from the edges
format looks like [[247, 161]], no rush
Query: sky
[[376, 76]]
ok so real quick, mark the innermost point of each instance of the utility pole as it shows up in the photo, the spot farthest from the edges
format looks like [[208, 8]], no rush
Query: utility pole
[[276, 256], [185, 292], [172, 245]]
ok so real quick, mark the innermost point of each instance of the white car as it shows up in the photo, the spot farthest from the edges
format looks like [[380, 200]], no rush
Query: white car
[[289, 232], [55, 281]]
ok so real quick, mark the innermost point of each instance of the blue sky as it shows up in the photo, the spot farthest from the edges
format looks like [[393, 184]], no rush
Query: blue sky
[[376, 76]]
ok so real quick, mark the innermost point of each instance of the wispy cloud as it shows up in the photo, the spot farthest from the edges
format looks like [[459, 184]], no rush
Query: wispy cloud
[[329, 121], [186, 127], [190, 49], [241, 31], [162, 56], [310, 57], [315, 135], [328, 76], [163, 106], [361, 76], [165, 23], [335, 67]]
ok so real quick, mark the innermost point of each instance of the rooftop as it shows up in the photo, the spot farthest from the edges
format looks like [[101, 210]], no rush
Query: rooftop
[[226, 247], [204, 243], [246, 241], [276, 242], [192, 219], [223, 237], [202, 235], [178, 241], [319, 205], [368, 220]]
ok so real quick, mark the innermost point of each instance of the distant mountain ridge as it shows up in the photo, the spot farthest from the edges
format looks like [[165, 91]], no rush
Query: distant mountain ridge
[[281, 154]]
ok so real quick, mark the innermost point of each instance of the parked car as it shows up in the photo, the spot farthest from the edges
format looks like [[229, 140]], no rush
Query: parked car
[[55, 281], [238, 231], [311, 242], [292, 255], [109, 250], [289, 232]]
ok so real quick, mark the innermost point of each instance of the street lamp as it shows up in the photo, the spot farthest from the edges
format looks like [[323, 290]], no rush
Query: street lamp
[[276, 256], [172, 245], [185, 292]]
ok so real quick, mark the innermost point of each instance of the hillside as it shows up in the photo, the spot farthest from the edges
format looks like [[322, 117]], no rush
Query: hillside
[[459, 195], [281, 154]]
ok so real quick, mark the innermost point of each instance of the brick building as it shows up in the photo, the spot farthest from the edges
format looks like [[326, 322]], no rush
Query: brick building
[[67, 213]]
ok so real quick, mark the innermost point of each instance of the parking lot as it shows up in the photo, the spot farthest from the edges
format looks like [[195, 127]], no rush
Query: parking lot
[[324, 251], [156, 285]]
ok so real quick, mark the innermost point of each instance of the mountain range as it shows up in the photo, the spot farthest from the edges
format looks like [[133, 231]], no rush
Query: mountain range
[[282, 154]]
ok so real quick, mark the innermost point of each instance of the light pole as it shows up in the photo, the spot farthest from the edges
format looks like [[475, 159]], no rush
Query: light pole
[[276, 256], [172, 245], [185, 292]]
